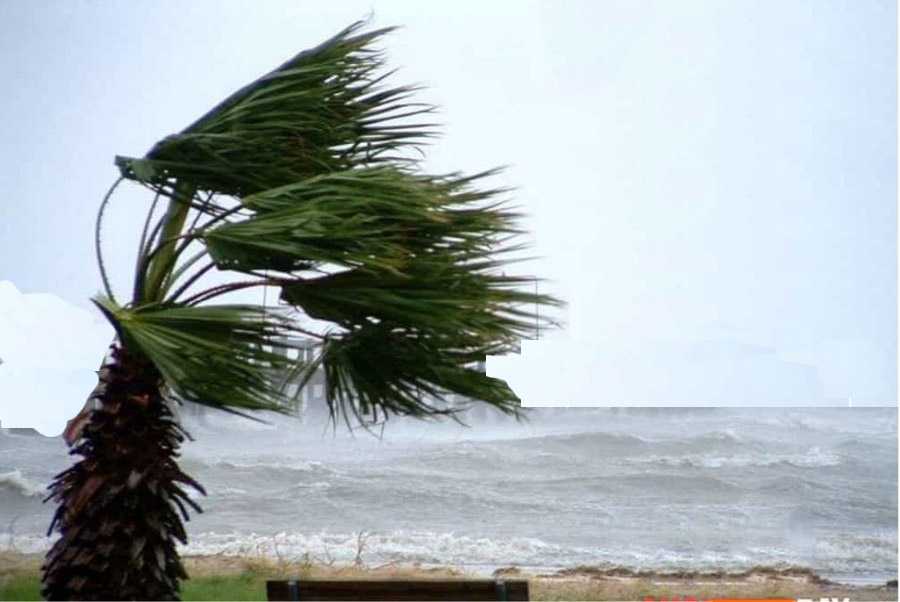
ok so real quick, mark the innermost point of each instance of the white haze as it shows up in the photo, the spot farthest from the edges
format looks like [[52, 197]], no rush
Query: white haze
[[711, 185], [50, 351]]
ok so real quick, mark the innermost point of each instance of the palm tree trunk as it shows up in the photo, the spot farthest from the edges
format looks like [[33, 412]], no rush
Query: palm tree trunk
[[121, 505]]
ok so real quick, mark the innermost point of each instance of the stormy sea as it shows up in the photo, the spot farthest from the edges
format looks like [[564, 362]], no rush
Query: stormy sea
[[655, 489]]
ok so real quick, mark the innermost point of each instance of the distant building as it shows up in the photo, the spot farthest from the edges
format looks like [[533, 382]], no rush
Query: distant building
[[310, 402], [27, 431]]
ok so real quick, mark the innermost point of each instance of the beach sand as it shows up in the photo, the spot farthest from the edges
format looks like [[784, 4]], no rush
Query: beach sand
[[582, 583]]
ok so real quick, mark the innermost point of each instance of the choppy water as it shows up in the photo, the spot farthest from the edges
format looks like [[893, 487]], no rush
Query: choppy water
[[665, 489]]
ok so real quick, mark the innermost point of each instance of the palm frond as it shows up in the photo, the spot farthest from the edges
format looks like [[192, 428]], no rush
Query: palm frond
[[429, 297], [311, 184], [223, 356], [364, 218], [379, 369], [324, 110]]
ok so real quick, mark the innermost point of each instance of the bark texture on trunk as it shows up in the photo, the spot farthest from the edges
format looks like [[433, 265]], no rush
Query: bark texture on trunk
[[121, 505]]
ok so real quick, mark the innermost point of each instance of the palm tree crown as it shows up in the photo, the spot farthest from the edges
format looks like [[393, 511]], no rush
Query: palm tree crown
[[308, 181]]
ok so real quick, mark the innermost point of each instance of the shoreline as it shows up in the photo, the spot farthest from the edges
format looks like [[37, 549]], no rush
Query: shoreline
[[610, 571], [577, 583], [271, 551]]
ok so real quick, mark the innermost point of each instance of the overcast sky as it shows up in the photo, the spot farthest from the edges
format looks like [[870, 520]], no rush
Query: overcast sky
[[711, 184]]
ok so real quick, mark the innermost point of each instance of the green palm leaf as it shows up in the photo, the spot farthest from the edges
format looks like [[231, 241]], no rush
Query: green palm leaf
[[323, 110], [222, 356], [372, 218], [429, 297], [382, 369], [310, 184]]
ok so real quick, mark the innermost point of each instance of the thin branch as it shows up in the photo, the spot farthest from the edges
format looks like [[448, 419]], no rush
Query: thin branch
[[204, 206], [175, 274], [139, 276], [221, 216], [180, 249], [201, 211], [225, 288], [188, 238], [97, 249], [142, 246], [162, 257], [174, 296], [145, 255]]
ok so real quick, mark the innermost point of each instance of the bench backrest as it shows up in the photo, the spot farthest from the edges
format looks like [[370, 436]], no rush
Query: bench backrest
[[426, 589]]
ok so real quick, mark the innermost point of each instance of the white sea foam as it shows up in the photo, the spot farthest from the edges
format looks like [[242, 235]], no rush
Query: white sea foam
[[451, 549], [840, 557], [26, 544], [397, 546], [814, 457], [298, 465], [15, 481]]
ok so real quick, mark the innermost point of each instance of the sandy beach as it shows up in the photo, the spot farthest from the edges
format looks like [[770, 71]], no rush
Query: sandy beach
[[242, 577]]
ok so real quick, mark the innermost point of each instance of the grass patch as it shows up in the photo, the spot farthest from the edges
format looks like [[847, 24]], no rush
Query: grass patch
[[222, 587], [20, 587], [247, 586]]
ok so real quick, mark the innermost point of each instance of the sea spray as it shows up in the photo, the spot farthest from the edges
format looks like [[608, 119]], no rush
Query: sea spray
[[665, 489]]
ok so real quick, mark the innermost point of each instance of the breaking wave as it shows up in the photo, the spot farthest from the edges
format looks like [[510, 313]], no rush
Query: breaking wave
[[661, 490], [14, 482]]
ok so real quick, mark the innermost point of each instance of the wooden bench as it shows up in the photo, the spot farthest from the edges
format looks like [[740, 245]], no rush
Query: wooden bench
[[426, 589]]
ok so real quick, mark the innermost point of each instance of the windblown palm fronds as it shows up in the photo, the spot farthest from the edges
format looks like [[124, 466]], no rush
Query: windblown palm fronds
[[308, 181], [324, 110], [310, 175]]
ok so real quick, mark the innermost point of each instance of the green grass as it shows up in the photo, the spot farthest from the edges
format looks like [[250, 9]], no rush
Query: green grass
[[20, 587], [246, 586]]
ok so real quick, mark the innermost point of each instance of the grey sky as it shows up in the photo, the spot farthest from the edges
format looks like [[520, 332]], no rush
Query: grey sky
[[712, 185]]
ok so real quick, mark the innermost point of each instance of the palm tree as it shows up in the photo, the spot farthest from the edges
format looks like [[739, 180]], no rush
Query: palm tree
[[308, 181]]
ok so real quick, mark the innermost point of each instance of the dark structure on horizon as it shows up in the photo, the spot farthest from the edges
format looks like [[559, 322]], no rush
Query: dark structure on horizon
[[310, 403]]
